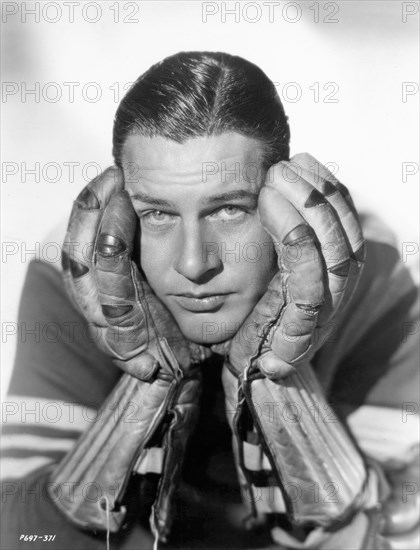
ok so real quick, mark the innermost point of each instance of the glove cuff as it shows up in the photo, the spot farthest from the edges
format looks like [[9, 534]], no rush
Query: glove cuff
[[98, 468], [360, 532], [290, 445]]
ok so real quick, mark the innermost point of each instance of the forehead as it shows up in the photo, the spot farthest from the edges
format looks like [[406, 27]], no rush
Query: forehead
[[227, 159]]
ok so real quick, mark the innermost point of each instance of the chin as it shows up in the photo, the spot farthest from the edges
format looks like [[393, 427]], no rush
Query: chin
[[204, 340], [210, 329]]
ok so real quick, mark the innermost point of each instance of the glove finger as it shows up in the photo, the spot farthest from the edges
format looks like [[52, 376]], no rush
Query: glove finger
[[143, 366], [298, 256], [120, 299], [306, 160], [320, 215], [78, 246], [303, 275], [274, 367], [339, 198]]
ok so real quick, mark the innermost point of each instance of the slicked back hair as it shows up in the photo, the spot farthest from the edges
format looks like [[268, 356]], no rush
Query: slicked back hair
[[195, 94]]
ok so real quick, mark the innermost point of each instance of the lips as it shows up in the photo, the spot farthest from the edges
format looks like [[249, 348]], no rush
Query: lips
[[201, 302]]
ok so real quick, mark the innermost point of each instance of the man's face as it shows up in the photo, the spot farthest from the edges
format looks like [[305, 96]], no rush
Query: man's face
[[203, 249]]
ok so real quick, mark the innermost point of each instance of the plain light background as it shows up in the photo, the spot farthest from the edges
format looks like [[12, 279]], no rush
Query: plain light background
[[363, 61]]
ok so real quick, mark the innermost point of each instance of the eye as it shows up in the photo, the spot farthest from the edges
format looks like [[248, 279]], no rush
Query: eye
[[156, 218], [229, 213]]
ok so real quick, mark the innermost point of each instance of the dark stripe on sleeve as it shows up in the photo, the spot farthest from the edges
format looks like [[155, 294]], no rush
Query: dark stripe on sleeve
[[31, 453]]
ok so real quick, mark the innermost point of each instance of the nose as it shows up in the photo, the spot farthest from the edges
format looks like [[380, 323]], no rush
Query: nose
[[198, 258]]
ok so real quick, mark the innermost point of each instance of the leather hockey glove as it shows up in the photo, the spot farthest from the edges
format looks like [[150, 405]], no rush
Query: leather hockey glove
[[293, 454], [161, 386]]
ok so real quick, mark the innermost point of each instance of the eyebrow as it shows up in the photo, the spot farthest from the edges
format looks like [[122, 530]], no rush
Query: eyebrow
[[144, 197], [216, 199]]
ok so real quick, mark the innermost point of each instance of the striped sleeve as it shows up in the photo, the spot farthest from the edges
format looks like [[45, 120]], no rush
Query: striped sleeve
[[38, 431], [59, 381], [371, 356]]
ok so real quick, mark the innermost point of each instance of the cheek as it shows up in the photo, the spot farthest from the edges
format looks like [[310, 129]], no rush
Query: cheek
[[154, 260], [258, 258]]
